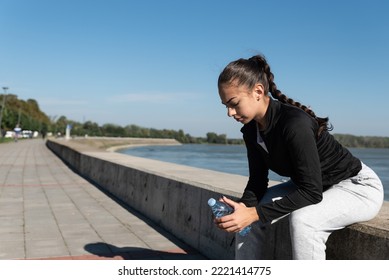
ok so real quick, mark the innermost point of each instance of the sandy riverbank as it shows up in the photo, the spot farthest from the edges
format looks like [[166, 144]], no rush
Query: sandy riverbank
[[113, 144]]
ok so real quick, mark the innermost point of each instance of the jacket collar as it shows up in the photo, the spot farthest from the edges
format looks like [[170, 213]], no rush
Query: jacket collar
[[271, 115]]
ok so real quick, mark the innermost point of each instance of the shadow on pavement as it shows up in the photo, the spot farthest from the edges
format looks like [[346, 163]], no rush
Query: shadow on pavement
[[105, 250]]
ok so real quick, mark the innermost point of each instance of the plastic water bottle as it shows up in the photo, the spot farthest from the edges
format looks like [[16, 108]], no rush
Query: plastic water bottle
[[221, 209]]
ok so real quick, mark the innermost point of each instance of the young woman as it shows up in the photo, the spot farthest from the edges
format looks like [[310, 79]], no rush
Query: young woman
[[329, 188]]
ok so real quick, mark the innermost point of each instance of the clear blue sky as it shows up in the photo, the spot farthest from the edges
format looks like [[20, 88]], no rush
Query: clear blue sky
[[155, 63]]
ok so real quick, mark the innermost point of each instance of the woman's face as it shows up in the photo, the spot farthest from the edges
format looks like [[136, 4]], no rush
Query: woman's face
[[242, 103]]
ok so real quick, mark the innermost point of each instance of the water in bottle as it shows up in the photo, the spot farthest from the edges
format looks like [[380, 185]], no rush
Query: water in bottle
[[221, 209]]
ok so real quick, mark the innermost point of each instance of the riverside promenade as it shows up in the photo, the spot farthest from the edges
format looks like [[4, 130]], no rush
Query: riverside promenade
[[48, 211]]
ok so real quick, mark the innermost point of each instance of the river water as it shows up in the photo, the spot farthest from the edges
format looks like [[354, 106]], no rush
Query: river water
[[232, 158]]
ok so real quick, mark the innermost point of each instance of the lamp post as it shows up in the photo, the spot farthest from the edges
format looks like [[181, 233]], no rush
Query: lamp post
[[2, 109]]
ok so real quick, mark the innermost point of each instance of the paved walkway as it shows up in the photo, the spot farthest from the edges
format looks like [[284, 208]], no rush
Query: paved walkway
[[49, 212]]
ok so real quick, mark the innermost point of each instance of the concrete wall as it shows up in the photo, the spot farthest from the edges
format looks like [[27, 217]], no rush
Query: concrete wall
[[175, 197]]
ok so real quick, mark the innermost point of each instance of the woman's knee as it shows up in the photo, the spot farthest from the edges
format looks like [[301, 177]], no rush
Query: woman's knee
[[300, 224]]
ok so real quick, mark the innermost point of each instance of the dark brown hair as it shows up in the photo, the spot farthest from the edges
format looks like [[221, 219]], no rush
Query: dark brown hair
[[255, 70]]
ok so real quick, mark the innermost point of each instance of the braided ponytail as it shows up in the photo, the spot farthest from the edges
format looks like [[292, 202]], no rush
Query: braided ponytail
[[256, 70]]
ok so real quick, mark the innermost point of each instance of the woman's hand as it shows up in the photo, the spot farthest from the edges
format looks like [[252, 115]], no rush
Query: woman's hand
[[241, 218]]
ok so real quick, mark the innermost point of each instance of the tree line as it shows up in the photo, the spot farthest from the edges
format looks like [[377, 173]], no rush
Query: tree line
[[353, 141], [30, 117], [26, 113]]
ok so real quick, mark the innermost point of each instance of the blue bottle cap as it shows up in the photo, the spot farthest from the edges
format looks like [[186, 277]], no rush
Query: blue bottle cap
[[211, 202]]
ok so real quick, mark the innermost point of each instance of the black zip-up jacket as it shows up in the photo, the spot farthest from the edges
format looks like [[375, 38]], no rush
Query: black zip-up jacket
[[294, 150]]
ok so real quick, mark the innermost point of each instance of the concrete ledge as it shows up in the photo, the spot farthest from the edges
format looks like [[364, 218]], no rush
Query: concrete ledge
[[175, 197]]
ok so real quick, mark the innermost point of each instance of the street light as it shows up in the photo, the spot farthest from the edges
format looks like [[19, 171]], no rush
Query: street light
[[2, 108]]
